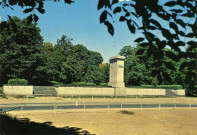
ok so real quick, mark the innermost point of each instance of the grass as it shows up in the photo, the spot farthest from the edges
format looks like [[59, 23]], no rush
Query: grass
[[88, 84], [21, 96], [159, 86], [82, 84], [75, 96], [2, 95]]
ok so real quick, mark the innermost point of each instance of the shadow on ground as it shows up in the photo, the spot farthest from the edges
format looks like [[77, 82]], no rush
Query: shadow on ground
[[10, 125]]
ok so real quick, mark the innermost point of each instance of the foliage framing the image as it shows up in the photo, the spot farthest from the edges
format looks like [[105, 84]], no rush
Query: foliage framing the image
[[175, 13]]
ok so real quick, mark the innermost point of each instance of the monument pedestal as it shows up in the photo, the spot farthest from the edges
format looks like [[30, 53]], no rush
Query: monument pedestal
[[116, 79], [117, 84], [120, 91]]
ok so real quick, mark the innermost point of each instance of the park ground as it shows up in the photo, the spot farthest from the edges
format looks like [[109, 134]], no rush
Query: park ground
[[171, 121], [92, 99], [113, 122]]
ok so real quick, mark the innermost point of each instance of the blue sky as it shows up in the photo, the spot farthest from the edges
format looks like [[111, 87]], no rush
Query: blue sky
[[79, 21]]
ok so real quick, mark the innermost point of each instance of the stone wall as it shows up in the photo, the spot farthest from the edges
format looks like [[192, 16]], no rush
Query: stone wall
[[92, 91], [179, 92], [18, 90], [145, 92]]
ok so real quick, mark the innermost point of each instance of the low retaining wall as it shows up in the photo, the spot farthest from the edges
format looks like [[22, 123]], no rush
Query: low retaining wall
[[92, 91], [145, 92], [108, 91], [179, 92], [85, 91], [18, 90]]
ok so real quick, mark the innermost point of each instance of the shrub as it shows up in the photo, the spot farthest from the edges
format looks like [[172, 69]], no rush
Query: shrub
[[82, 84], [17, 81], [56, 83], [2, 95], [154, 82], [191, 90]]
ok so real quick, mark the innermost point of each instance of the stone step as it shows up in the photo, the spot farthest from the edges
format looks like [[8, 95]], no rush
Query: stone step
[[45, 90], [170, 93]]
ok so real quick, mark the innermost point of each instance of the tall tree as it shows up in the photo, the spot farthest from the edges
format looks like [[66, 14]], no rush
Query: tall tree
[[87, 60], [180, 21], [57, 56], [104, 68], [48, 49], [135, 71], [126, 51], [21, 52], [69, 63], [174, 13], [160, 66]]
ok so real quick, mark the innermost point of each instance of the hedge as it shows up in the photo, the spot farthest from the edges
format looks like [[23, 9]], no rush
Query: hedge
[[17, 81]]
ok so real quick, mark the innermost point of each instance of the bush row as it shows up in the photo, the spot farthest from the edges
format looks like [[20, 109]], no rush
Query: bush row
[[17, 81]]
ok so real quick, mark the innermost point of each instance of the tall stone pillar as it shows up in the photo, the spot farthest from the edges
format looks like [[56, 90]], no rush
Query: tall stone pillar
[[116, 78]]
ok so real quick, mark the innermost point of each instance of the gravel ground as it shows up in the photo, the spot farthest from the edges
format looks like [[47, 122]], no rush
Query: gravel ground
[[137, 122]]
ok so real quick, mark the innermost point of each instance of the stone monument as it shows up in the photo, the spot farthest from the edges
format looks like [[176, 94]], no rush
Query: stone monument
[[116, 78]]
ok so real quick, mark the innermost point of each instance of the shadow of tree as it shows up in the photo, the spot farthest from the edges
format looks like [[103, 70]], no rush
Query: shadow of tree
[[10, 125], [127, 112]]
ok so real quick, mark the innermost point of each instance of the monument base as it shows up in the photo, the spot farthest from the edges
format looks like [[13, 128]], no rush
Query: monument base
[[120, 91], [116, 84], [109, 84]]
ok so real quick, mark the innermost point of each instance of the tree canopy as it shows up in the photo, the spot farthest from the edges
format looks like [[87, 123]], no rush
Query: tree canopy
[[21, 55], [24, 55], [179, 16]]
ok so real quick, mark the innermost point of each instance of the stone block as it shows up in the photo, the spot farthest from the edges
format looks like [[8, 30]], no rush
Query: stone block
[[17, 90], [120, 91]]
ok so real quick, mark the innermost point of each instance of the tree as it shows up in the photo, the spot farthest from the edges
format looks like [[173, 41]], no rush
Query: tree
[[93, 74], [87, 60], [69, 63], [135, 71], [104, 68], [135, 10], [57, 56], [160, 66], [126, 51], [178, 76], [21, 52], [71, 70], [48, 50], [178, 15]]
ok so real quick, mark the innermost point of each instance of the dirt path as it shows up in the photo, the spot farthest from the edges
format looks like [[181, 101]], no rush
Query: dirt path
[[56, 99], [112, 122], [102, 122]]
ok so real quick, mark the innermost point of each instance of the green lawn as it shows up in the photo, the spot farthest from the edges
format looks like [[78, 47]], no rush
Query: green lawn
[[159, 86], [88, 84]]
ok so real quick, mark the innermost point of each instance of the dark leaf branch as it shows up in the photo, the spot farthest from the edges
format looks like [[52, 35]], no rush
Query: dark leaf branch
[[110, 27], [103, 16], [31, 5], [103, 3]]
